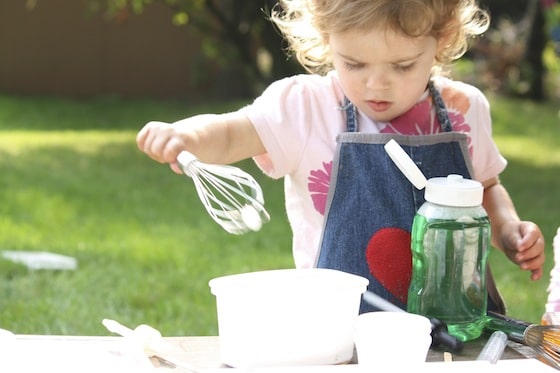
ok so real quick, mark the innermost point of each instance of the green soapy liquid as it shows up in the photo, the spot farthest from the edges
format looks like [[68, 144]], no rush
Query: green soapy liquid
[[449, 273]]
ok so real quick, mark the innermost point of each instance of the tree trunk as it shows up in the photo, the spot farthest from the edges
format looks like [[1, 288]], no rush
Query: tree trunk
[[536, 43]]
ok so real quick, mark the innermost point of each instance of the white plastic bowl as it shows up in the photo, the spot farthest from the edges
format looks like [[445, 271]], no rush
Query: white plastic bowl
[[287, 317], [382, 336]]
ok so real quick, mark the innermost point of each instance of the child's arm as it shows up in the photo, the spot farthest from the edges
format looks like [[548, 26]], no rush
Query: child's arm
[[213, 138], [521, 241]]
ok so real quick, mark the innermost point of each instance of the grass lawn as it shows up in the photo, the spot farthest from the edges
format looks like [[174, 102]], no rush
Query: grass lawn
[[74, 183]]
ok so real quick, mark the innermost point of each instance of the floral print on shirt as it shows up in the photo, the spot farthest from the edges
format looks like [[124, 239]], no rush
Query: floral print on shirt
[[419, 120], [319, 186]]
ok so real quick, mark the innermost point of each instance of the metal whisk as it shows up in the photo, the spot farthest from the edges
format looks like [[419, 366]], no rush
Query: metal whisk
[[543, 339], [231, 196]]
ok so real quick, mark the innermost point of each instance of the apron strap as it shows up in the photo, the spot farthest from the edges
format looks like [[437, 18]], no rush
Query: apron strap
[[441, 110], [351, 117]]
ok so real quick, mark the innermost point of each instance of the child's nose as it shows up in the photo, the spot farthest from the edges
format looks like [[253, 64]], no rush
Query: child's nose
[[377, 80]]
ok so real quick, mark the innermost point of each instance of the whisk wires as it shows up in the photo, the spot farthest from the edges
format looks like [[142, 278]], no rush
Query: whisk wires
[[545, 339], [230, 195]]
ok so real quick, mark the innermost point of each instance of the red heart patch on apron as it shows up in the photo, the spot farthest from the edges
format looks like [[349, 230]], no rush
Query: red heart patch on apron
[[389, 258]]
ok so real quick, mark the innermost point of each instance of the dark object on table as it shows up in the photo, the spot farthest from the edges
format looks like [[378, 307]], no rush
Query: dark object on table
[[440, 336]]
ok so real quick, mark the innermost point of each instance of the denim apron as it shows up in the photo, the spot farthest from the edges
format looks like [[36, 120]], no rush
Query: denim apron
[[371, 204]]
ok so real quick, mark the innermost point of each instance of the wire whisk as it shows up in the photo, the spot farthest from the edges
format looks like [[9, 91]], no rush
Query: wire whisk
[[543, 339], [231, 196]]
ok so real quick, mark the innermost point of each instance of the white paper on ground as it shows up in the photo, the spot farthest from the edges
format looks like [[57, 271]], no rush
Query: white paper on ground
[[41, 260]]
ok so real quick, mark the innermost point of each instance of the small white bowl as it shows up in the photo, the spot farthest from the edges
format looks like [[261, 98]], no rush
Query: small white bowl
[[392, 338]]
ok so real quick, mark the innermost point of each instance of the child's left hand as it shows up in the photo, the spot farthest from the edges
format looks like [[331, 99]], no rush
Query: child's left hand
[[523, 244]]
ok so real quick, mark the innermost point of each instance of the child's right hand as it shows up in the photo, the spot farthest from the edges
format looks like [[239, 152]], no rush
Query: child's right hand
[[162, 142]]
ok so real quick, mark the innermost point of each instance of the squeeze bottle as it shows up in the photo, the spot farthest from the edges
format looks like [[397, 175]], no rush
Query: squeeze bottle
[[450, 246]]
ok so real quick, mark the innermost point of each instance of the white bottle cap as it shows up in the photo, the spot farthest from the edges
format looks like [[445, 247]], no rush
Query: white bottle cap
[[454, 190]]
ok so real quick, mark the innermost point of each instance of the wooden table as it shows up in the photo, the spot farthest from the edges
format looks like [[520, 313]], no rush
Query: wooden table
[[108, 354], [473, 348]]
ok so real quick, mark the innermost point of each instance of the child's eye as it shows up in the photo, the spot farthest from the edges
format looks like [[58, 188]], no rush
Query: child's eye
[[404, 67], [352, 66]]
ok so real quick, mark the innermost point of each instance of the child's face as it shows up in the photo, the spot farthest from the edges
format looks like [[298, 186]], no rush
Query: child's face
[[383, 73]]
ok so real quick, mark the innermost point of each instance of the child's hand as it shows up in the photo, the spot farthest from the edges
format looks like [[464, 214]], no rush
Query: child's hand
[[523, 244], [162, 142]]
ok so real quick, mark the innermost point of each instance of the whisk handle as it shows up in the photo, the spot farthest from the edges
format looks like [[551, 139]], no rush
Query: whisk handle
[[185, 159], [514, 328]]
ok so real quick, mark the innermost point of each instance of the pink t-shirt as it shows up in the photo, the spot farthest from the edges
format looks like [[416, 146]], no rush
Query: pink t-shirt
[[298, 119]]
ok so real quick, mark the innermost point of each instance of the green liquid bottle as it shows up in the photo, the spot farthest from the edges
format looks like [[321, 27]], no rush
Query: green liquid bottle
[[450, 245]]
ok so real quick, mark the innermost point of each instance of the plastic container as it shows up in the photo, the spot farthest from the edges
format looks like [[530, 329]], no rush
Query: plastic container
[[450, 245], [287, 317], [382, 337]]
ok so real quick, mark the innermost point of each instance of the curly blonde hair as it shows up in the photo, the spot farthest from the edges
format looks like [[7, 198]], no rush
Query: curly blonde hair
[[306, 24]]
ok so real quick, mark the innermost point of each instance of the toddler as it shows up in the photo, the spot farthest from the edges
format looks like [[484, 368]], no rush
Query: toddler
[[376, 72]]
